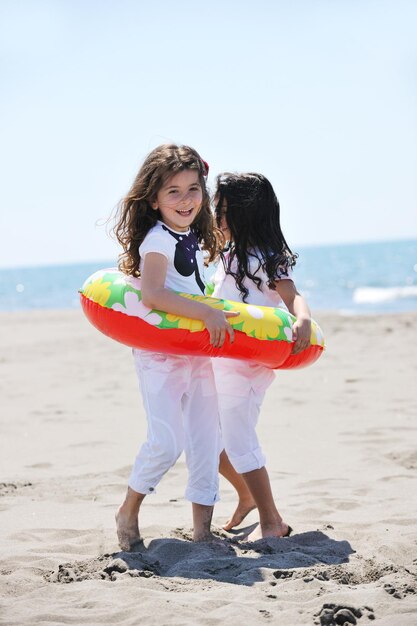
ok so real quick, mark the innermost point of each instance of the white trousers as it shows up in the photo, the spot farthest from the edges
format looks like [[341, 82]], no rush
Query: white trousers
[[241, 388], [180, 400]]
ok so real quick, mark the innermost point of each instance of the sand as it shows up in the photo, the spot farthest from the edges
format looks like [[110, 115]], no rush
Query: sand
[[340, 438]]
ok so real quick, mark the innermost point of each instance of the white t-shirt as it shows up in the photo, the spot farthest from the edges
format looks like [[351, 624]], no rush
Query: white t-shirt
[[225, 286], [185, 270]]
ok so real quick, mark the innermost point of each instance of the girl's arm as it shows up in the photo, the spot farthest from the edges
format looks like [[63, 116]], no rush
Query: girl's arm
[[296, 305], [156, 296]]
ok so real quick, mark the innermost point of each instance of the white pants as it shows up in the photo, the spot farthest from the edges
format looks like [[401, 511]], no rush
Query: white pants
[[180, 401], [241, 388]]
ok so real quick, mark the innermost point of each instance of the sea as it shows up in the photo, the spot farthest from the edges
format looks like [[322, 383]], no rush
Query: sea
[[360, 278]]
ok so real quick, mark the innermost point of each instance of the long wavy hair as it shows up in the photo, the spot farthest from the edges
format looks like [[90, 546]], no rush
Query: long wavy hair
[[135, 216], [253, 218]]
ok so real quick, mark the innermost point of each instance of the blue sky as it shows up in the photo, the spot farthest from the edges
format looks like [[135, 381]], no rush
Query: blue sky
[[319, 95]]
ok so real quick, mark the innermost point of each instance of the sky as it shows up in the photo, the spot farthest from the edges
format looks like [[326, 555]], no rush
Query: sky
[[318, 95]]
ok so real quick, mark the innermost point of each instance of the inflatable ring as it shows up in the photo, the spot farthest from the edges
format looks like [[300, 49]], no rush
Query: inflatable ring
[[112, 302]]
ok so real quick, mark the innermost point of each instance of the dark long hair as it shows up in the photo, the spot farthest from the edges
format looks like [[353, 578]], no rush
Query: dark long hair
[[253, 218], [135, 216]]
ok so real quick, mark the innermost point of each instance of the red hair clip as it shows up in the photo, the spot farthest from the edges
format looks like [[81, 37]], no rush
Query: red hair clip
[[206, 167]]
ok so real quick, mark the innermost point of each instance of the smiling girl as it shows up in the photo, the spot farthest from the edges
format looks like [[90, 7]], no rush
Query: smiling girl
[[161, 223]]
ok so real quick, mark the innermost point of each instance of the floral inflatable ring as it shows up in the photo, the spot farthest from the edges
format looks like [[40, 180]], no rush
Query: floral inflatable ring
[[112, 302]]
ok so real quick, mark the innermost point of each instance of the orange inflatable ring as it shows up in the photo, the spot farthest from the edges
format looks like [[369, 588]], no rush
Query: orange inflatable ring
[[112, 302]]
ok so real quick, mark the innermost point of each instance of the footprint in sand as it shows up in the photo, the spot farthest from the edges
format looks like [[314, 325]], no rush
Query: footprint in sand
[[106, 567], [39, 466], [407, 459], [11, 488], [399, 590]]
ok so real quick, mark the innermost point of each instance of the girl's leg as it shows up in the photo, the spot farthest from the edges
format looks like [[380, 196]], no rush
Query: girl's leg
[[162, 383], [271, 523], [246, 502], [127, 522], [202, 516], [241, 388], [202, 445]]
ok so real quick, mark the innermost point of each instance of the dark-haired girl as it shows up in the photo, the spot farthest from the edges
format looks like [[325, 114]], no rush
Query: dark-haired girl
[[161, 224], [257, 269]]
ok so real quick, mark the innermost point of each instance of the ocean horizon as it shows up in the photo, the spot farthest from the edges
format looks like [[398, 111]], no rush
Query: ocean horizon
[[351, 278]]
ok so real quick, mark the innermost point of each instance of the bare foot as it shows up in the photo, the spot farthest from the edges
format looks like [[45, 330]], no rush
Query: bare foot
[[280, 529], [127, 530], [205, 537], [243, 509], [202, 514], [213, 540]]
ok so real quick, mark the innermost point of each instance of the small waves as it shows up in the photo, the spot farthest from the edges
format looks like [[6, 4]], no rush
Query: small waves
[[365, 278], [379, 295]]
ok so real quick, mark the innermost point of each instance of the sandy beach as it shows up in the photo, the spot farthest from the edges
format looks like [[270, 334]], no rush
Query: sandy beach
[[340, 439]]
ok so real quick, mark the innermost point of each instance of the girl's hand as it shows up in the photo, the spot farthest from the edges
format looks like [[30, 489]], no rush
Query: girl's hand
[[295, 303], [217, 325], [156, 296], [301, 333]]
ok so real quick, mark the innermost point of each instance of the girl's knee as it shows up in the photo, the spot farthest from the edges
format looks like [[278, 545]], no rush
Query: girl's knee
[[157, 455], [168, 458], [248, 462]]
